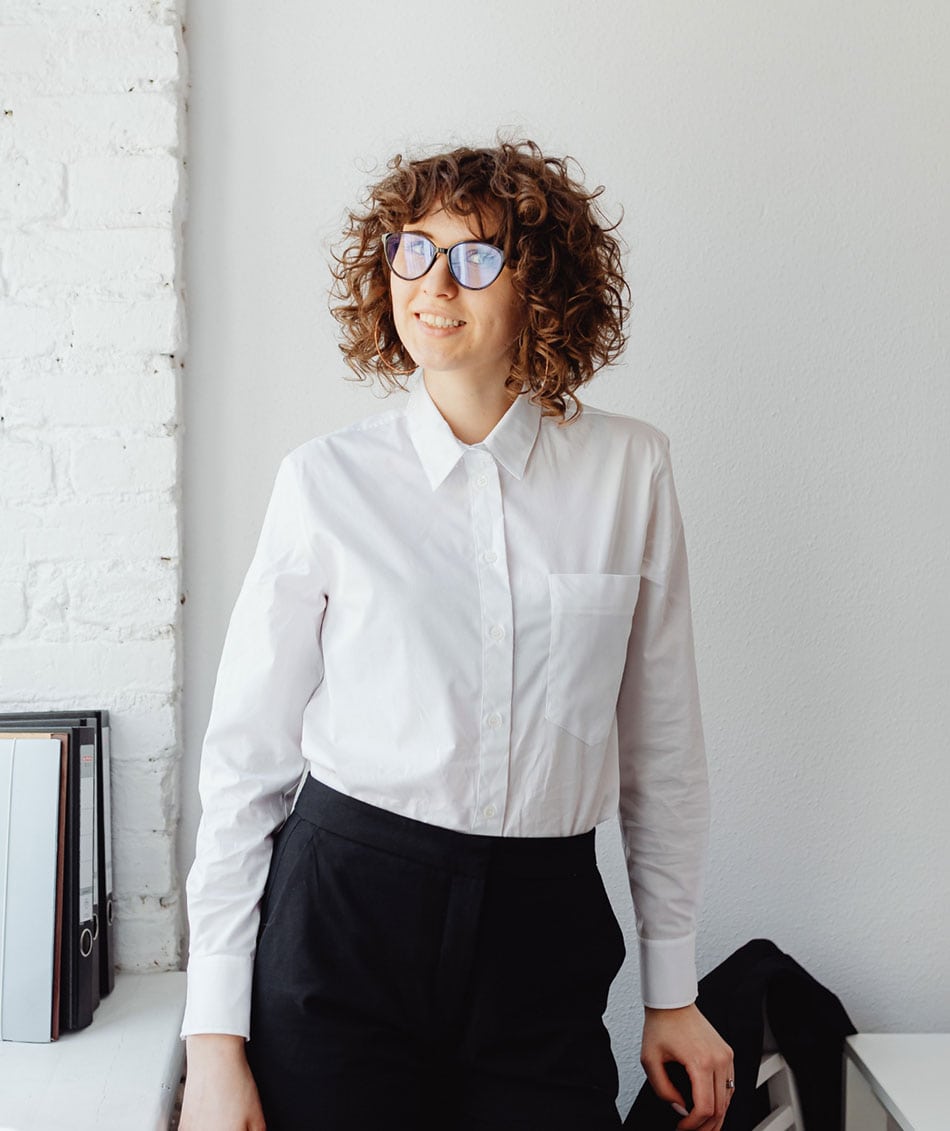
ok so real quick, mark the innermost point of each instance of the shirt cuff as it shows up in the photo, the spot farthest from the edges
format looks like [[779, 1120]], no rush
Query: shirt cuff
[[668, 972], [219, 995]]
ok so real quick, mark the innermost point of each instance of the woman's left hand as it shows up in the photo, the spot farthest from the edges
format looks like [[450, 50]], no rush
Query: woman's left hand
[[684, 1035]]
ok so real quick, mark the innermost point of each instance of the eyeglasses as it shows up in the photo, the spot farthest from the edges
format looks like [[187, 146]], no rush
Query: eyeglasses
[[473, 264]]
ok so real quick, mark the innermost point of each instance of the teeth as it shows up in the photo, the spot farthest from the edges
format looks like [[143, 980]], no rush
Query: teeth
[[437, 322]]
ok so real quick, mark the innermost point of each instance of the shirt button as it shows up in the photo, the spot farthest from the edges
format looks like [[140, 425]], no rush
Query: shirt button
[[494, 720], [496, 632], [490, 556], [489, 811], [481, 480]]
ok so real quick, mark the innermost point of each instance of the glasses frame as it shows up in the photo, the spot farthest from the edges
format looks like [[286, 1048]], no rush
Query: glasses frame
[[447, 252]]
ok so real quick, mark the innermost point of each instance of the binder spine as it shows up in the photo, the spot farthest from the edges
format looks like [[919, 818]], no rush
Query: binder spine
[[106, 890]]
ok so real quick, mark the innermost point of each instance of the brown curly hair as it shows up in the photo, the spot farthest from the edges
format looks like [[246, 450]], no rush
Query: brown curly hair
[[566, 265]]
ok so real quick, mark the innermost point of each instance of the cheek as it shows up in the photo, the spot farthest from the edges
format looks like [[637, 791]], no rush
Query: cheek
[[516, 309], [517, 318], [399, 303]]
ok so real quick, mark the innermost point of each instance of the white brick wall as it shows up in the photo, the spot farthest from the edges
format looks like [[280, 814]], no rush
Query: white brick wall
[[92, 148]]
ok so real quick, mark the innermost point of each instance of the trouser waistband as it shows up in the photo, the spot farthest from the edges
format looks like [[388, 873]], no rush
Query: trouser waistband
[[446, 849]]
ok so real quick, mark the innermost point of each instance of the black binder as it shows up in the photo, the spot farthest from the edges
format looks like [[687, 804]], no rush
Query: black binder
[[80, 942], [106, 890]]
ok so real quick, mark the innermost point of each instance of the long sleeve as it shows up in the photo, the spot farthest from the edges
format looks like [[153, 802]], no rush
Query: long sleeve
[[251, 760], [664, 806]]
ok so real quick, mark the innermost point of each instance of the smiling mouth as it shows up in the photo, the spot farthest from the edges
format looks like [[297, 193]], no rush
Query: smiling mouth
[[439, 323]]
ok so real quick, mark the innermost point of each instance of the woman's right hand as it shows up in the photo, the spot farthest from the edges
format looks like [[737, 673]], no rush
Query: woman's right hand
[[220, 1093]]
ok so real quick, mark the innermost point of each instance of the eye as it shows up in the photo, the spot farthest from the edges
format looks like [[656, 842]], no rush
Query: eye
[[481, 255], [415, 245]]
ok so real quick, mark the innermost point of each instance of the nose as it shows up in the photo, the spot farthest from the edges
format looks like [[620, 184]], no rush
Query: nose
[[438, 279]]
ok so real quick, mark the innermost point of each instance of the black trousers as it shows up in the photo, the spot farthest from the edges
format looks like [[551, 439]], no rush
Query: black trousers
[[413, 977]]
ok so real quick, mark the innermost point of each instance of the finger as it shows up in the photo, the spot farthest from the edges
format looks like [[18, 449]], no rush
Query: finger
[[728, 1089], [723, 1096], [722, 1074], [703, 1114], [661, 1083], [725, 1077], [712, 1123]]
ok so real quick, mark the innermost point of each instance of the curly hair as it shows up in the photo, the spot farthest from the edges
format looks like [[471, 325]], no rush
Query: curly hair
[[565, 262]]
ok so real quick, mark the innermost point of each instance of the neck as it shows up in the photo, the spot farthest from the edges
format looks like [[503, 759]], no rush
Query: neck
[[470, 408]]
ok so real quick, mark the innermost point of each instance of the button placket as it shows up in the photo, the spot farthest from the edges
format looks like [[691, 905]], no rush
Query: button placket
[[497, 652]]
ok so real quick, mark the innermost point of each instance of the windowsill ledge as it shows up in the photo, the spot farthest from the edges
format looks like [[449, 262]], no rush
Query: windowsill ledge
[[119, 1074]]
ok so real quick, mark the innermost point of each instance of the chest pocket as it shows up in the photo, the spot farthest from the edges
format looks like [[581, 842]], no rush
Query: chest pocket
[[591, 617]]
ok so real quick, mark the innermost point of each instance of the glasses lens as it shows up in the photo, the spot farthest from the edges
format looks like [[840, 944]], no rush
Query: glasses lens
[[475, 265], [410, 255]]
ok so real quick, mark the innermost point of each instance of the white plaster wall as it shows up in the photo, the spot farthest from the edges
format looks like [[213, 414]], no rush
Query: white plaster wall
[[92, 134], [784, 174]]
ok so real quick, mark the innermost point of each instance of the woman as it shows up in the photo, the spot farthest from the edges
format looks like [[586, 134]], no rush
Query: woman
[[467, 625]]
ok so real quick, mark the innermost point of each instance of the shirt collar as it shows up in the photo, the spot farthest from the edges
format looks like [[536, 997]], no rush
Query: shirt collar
[[439, 449]]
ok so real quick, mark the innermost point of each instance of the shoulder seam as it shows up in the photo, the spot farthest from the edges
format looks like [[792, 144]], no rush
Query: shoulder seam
[[366, 424]]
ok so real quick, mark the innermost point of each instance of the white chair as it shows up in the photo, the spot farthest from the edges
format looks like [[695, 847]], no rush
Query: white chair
[[786, 1113]]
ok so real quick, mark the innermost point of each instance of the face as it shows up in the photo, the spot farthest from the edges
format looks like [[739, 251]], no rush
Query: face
[[448, 329]]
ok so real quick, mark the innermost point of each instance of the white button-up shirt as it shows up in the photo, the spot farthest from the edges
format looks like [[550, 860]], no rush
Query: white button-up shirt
[[494, 638]]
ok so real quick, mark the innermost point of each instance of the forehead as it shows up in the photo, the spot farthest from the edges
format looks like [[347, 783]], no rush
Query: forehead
[[447, 227]]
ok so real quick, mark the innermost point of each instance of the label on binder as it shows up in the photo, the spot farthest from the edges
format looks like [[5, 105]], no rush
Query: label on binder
[[87, 816]]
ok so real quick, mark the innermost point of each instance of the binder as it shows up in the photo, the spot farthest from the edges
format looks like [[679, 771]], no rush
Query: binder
[[79, 991], [103, 923], [33, 778], [104, 852]]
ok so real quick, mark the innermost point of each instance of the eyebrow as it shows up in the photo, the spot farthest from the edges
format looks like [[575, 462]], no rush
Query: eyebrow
[[430, 236]]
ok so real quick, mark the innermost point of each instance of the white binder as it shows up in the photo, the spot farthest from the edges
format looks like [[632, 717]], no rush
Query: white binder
[[32, 780]]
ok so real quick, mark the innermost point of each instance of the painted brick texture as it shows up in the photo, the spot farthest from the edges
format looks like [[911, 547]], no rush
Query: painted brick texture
[[92, 201]]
